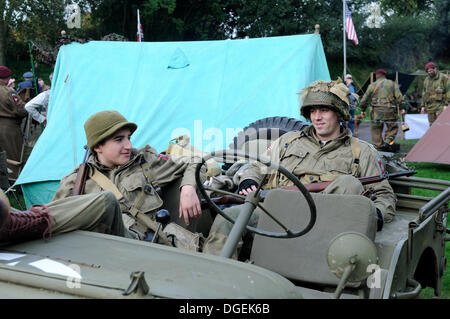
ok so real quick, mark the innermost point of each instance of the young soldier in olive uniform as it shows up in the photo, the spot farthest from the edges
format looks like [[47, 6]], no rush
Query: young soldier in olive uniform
[[12, 112], [324, 151], [384, 97], [436, 93], [123, 182]]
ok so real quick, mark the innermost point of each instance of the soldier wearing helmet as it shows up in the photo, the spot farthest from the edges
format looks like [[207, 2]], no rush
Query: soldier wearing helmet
[[323, 151], [123, 185], [436, 92], [385, 97]]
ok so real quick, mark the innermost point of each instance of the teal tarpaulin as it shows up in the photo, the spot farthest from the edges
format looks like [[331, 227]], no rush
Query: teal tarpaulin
[[206, 89]]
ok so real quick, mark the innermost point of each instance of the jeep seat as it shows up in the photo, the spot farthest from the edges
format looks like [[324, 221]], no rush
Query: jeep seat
[[171, 199], [305, 258]]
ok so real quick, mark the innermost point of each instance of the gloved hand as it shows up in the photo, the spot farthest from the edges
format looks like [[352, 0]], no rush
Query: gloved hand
[[247, 184]]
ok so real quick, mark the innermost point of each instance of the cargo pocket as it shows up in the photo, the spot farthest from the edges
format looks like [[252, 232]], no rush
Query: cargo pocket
[[336, 164], [439, 94], [133, 185], [292, 161]]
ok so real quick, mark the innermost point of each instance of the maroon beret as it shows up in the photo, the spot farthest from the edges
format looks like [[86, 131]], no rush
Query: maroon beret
[[380, 71], [429, 65], [5, 72]]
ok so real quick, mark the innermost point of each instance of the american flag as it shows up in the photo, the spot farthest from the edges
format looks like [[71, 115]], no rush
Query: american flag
[[140, 32], [349, 27]]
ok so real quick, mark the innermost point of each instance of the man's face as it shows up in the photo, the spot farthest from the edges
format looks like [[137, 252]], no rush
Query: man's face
[[431, 71], [116, 150], [326, 122]]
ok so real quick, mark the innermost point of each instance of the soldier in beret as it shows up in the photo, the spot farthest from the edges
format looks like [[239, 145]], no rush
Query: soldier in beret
[[324, 151], [436, 92], [385, 97], [122, 183], [12, 112]]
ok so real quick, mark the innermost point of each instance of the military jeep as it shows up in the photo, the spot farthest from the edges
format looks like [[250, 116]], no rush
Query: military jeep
[[320, 246]]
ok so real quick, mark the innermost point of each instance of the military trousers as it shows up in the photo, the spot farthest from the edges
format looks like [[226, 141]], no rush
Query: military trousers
[[376, 131], [433, 115], [221, 228], [97, 212]]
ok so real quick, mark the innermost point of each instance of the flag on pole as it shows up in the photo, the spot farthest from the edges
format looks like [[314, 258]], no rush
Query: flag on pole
[[140, 32], [349, 27]]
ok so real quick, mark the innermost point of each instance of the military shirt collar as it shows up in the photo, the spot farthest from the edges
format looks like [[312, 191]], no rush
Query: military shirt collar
[[343, 136], [93, 160]]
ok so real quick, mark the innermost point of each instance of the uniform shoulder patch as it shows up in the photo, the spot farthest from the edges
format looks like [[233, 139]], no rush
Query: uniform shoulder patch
[[163, 156], [16, 99], [380, 164]]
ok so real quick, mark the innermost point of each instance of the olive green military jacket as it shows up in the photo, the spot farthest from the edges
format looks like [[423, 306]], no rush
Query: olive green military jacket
[[307, 159], [385, 96], [11, 106], [436, 92], [130, 179]]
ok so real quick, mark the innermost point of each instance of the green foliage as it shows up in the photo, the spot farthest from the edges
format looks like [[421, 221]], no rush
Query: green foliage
[[404, 39], [441, 34], [184, 20], [152, 6], [406, 7], [413, 32]]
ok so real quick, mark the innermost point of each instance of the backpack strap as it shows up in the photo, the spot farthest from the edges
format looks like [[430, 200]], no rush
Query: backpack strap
[[147, 189], [105, 183], [273, 180], [355, 145], [135, 209]]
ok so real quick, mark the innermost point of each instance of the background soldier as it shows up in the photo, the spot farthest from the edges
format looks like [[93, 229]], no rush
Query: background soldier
[[12, 112], [436, 93], [385, 97]]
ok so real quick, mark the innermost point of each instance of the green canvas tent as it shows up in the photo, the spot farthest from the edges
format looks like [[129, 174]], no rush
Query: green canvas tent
[[206, 89]]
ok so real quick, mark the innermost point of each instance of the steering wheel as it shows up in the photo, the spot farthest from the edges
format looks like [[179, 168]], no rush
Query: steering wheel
[[223, 155]]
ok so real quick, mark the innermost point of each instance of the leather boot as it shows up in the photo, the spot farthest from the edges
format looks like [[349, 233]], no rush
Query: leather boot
[[24, 225]]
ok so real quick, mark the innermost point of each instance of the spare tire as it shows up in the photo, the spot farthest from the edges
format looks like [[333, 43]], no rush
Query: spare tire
[[269, 128]]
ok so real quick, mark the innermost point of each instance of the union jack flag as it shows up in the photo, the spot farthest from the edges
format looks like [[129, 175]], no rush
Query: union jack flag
[[349, 27], [140, 32]]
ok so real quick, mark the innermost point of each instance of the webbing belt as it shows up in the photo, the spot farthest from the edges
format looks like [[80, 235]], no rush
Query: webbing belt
[[105, 183]]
